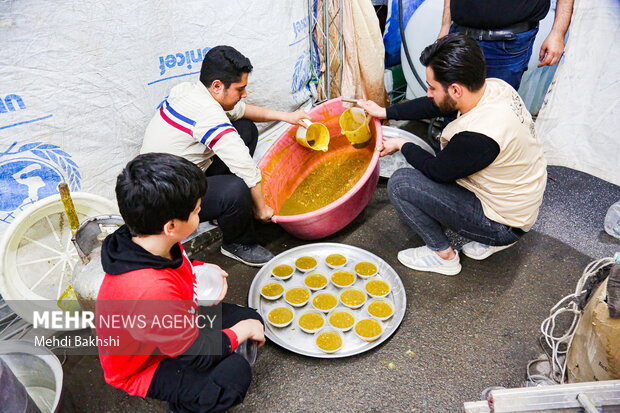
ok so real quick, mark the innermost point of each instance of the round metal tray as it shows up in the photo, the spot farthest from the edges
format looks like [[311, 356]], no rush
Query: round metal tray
[[295, 340]]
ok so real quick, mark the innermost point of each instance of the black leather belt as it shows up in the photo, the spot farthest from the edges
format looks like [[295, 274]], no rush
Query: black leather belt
[[506, 33]]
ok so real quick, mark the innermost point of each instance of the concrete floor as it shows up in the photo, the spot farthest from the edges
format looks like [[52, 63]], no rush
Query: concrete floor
[[459, 335]]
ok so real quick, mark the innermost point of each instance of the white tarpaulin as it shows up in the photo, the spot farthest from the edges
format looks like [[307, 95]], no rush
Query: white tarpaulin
[[579, 122], [80, 80]]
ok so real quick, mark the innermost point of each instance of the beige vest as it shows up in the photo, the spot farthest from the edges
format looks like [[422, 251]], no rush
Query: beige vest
[[511, 188]]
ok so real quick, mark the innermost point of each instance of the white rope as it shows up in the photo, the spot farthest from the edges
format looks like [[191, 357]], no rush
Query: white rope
[[559, 341]]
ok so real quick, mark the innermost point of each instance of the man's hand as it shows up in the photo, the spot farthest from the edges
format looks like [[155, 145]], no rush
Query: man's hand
[[263, 214], [250, 330], [391, 145], [551, 50], [372, 108], [295, 118]]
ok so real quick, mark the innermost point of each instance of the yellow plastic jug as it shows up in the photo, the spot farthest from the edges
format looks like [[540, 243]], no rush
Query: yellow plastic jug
[[354, 125], [314, 136]]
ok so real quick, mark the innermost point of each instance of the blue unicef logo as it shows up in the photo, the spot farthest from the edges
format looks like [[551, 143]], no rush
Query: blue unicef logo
[[32, 172]]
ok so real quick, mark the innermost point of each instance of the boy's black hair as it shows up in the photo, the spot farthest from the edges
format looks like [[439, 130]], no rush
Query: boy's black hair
[[456, 58], [224, 63], [155, 188]]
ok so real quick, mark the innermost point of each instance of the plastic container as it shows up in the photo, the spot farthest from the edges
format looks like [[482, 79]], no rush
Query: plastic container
[[354, 125], [315, 282], [330, 300], [286, 164], [374, 308], [297, 296], [364, 323], [272, 297], [328, 332], [335, 261], [278, 311], [283, 271], [38, 370], [209, 284], [364, 269], [306, 263], [306, 314], [334, 322], [314, 136], [353, 298], [342, 278], [371, 285]]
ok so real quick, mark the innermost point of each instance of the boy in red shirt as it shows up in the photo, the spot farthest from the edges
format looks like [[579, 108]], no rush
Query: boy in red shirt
[[167, 347]]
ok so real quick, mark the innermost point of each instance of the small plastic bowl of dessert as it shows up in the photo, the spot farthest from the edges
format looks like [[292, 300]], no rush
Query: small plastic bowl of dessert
[[315, 281], [353, 297], [328, 340], [311, 321], [368, 329], [306, 263], [297, 296], [283, 271], [324, 302], [272, 290], [341, 319], [380, 308], [280, 316], [343, 279], [366, 269], [334, 261], [377, 288]]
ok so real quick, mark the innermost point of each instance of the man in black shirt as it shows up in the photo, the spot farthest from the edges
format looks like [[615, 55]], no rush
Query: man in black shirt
[[487, 182], [506, 29]]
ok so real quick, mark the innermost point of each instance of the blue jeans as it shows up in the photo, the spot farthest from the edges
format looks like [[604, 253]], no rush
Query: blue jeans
[[425, 206], [508, 59]]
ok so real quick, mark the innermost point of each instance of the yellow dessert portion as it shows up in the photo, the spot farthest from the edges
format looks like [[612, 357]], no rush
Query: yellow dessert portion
[[282, 270], [368, 328], [365, 269], [329, 341], [324, 301], [305, 263], [297, 295], [341, 319], [353, 298], [344, 278], [336, 260], [311, 321], [272, 290], [380, 309], [377, 287], [315, 280], [280, 315]]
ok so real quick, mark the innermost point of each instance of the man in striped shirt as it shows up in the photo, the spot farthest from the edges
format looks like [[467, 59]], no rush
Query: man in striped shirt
[[207, 123]]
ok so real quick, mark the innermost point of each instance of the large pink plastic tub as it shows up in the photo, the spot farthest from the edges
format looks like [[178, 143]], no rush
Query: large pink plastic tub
[[287, 164]]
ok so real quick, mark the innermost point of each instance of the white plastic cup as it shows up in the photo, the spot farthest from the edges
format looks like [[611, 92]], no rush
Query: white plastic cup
[[209, 284]]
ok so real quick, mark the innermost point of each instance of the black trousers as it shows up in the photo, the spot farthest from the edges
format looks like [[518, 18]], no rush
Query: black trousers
[[193, 391], [228, 198]]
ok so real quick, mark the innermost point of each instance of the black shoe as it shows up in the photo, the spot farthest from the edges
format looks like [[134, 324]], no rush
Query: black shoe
[[250, 254]]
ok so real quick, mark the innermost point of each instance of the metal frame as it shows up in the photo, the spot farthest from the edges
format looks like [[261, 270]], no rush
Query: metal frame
[[330, 51]]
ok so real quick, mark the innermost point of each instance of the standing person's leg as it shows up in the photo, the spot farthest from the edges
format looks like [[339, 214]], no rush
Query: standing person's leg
[[249, 133], [508, 59], [228, 200], [426, 206]]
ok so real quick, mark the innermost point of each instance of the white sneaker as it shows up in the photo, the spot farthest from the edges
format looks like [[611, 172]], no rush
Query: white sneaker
[[425, 259], [478, 251]]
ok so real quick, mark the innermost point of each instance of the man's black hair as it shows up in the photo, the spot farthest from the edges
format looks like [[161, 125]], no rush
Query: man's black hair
[[155, 188], [456, 58], [224, 63]]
